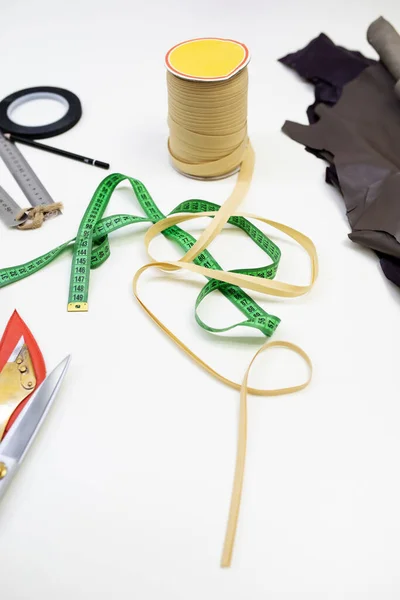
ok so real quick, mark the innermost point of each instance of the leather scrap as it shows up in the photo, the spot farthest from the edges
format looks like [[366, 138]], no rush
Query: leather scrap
[[357, 131]]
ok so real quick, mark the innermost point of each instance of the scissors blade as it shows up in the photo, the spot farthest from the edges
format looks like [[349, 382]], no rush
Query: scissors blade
[[17, 349], [18, 440]]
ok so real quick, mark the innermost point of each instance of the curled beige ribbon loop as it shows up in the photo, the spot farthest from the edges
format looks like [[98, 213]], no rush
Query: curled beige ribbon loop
[[242, 439], [257, 284], [265, 286]]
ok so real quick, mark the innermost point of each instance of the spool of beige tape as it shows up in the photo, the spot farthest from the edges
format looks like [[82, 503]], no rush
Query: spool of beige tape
[[207, 82]]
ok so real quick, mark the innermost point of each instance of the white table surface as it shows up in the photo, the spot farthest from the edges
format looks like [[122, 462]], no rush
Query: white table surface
[[126, 491]]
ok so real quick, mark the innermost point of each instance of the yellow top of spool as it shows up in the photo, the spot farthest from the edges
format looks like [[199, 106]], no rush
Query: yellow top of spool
[[207, 59]]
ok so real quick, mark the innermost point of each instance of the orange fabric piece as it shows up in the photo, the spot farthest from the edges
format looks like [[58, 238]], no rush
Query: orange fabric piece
[[16, 328]]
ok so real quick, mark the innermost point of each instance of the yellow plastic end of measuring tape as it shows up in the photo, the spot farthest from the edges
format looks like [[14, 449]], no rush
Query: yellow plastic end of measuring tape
[[78, 307], [207, 59]]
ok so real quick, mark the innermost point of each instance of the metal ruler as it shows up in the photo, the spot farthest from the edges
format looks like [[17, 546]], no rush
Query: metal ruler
[[27, 180], [9, 209]]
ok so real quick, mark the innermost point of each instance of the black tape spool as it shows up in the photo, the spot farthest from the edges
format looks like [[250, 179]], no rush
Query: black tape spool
[[67, 98]]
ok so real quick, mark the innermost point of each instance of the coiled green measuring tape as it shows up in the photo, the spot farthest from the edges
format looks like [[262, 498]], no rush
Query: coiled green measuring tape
[[91, 249]]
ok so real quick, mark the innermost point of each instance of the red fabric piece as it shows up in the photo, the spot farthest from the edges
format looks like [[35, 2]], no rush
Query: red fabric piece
[[16, 328]]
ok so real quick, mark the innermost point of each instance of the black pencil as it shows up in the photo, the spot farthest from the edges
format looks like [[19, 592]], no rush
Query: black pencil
[[89, 161]]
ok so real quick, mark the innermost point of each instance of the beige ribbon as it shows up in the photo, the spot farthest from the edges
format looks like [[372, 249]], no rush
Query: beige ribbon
[[208, 138], [257, 284]]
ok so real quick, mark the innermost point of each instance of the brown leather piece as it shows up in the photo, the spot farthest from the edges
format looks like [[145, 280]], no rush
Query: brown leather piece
[[362, 133]]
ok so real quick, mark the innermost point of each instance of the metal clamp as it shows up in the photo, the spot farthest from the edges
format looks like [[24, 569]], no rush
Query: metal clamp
[[17, 381]]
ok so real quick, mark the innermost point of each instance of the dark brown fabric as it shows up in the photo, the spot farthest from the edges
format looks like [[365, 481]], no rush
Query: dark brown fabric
[[328, 67], [360, 137], [362, 132]]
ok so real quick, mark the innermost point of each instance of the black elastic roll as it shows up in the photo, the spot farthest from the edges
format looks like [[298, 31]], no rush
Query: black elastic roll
[[66, 122]]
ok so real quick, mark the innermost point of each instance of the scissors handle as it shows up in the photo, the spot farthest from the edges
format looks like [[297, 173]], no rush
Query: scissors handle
[[8, 468]]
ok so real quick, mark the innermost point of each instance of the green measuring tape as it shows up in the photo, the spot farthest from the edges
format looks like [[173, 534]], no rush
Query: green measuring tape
[[91, 249]]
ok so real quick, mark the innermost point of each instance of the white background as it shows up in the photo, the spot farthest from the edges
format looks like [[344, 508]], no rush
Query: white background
[[126, 491]]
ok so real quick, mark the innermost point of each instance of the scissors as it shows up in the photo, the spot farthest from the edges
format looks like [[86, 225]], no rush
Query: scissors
[[16, 382]]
